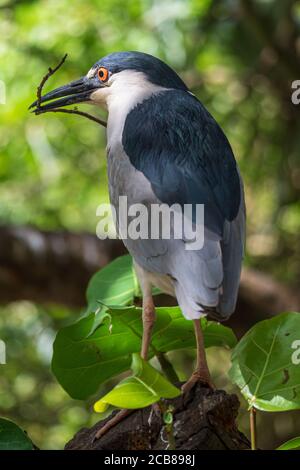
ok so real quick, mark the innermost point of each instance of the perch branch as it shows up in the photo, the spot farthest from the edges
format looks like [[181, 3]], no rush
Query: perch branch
[[206, 420], [27, 273]]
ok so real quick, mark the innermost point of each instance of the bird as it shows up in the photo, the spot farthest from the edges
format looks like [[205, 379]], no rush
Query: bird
[[164, 147]]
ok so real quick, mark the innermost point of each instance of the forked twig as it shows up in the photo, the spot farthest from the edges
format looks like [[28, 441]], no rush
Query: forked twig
[[45, 78], [39, 109], [74, 111]]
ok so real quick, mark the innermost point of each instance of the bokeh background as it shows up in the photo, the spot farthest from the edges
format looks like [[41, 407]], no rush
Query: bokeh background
[[240, 58]]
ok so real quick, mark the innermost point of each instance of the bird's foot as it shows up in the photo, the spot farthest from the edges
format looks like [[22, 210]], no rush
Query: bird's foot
[[117, 418], [199, 376]]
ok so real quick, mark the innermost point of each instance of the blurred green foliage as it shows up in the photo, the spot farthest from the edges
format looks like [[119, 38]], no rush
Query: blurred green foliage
[[238, 56], [28, 391]]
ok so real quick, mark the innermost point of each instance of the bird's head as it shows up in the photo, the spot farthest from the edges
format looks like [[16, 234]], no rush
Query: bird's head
[[117, 76]]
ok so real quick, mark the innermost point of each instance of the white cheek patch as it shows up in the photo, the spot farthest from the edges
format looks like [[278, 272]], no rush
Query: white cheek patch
[[100, 95], [91, 73], [122, 92], [129, 87], [131, 80]]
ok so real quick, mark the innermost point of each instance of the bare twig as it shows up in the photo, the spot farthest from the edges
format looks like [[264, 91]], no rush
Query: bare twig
[[39, 109], [45, 78], [72, 111]]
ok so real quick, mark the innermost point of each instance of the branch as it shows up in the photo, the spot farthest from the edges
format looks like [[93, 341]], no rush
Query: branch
[[55, 267], [51, 267], [73, 111], [205, 420]]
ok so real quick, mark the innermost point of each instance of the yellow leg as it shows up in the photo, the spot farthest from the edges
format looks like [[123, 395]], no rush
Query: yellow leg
[[201, 372], [148, 323]]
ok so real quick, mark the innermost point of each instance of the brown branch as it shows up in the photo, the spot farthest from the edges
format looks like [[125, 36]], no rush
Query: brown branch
[[204, 420], [51, 266], [55, 266], [73, 111]]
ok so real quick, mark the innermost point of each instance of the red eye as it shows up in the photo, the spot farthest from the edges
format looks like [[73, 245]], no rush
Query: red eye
[[103, 74]]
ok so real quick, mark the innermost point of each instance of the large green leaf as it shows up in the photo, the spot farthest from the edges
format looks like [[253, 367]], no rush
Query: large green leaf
[[144, 387], [292, 444], [263, 365], [115, 284], [84, 356], [12, 437]]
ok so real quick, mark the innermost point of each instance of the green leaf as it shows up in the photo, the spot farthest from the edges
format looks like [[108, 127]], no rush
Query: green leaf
[[85, 357], [265, 365], [12, 437], [144, 387], [168, 417], [115, 284], [292, 444]]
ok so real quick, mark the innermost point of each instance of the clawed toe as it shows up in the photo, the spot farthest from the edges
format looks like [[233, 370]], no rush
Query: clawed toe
[[197, 377]]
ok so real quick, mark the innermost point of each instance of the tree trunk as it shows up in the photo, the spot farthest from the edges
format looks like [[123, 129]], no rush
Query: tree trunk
[[55, 267], [204, 420]]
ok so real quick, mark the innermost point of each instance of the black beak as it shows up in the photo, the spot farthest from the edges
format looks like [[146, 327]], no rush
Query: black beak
[[78, 91]]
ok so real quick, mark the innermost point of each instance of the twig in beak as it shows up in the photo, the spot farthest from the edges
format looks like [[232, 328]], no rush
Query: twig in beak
[[73, 111], [45, 78], [40, 110]]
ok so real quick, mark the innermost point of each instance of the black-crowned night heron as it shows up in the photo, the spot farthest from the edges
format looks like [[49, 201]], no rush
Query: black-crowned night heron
[[163, 146]]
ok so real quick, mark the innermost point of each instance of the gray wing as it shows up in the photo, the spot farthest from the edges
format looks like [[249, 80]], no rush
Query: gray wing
[[233, 248], [205, 279]]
